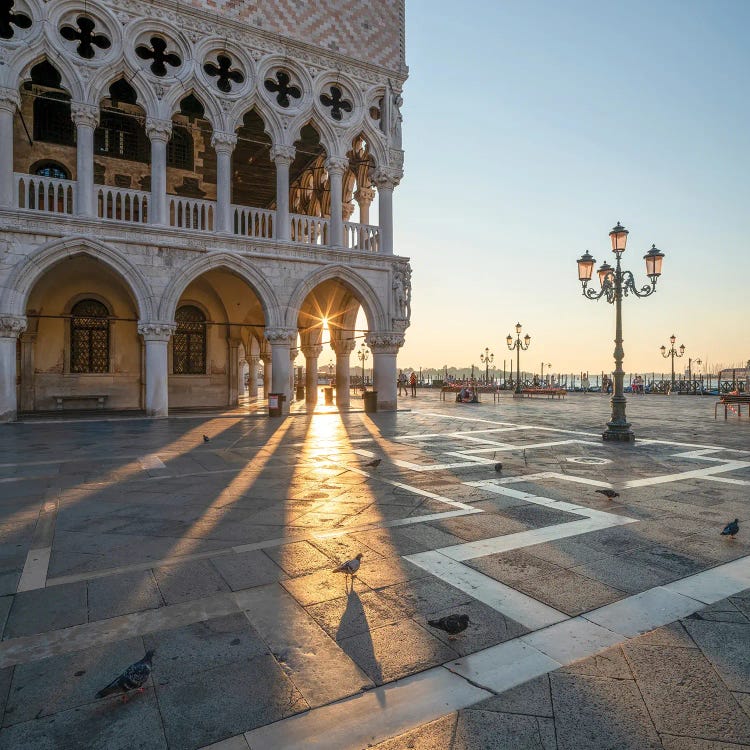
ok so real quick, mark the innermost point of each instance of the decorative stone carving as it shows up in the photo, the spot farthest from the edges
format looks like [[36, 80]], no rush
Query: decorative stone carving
[[283, 88], [401, 286], [156, 331], [388, 342], [336, 164], [83, 33], [283, 154], [158, 130], [12, 326], [9, 19], [336, 103], [223, 142], [9, 99], [386, 178], [364, 196], [159, 56], [280, 335], [84, 114], [343, 347], [224, 73], [311, 351]]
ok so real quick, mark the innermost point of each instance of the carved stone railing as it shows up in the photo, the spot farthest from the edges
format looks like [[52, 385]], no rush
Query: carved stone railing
[[253, 222], [309, 230], [49, 194], [122, 204], [361, 236], [191, 213]]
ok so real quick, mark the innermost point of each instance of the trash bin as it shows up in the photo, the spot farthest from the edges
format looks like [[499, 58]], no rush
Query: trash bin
[[328, 395], [300, 395], [371, 401], [275, 401]]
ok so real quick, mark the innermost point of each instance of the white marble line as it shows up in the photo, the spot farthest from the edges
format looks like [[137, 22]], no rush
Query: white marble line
[[692, 474], [523, 609], [35, 569], [726, 480], [151, 461]]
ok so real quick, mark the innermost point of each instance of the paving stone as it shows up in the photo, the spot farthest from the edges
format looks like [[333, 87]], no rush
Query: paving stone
[[322, 587], [512, 567], [609, 663], [6, 602], [122, 594], [679, 565], [394, 651], [436, 735], [52, 608], [498, 731], [423, 595], [532, 698], [722, 611], [384, 572], [298, 558], [594, 712], [189, 580], [727, 646], [685, 695], [46, 687], [224, 701], [671, 742], [5, 678], [245, 570]]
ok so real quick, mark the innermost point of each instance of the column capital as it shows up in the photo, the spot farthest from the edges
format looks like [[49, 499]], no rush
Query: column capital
[[311, 351], [223, 142], [156, 330], [84, 114], [293, 352], [364, 195], [12, 326], [347, 209], [158, 130], [283, 154], [342, 347], [386, 179], [388, 342], [336, 164], [9, 99], [280, 335]]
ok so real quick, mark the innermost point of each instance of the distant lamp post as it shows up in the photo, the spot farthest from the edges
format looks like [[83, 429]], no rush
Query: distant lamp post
[[672, 352], [363, 355], [518, 346], [616, 284], [542, 375], [330, 372], [487, 359]]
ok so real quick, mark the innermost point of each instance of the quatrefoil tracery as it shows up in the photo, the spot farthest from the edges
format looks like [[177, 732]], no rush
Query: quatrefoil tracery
[[226, 75], [336, 102], [83, 33], [282, 88], [158, 53], [9, 19]]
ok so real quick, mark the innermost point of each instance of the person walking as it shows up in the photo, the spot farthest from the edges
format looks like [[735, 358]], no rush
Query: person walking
[[401, 382], [413, 383]]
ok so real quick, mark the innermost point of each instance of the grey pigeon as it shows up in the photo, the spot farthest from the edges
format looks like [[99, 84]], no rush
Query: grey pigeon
[[350, 567], [731, 529], [133, 678], [498, 467], [206, 439], [374, 463], [451, 624], [611, 494]]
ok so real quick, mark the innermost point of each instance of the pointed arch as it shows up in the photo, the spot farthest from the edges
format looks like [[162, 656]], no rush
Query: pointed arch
[[99, 87], [271, 123], [170, 106], [35, 54], [14, 296]]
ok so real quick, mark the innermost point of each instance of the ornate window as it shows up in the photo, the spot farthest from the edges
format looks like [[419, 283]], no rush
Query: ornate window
[[159, 56], [89, 337], [189, 342], [224, 73], [9, 19], [83, 33], [336, 103], [52, 121], [283, 88], [180, 149], [50, 169], [121, 137]]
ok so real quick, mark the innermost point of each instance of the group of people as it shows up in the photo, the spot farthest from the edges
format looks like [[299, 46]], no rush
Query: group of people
[[467, 395], [637, 385], [405, 382]]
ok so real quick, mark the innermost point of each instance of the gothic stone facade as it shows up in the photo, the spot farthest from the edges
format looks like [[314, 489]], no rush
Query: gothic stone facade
[[185, 192]]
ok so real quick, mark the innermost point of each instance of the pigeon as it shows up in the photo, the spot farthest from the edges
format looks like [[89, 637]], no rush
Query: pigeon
[[374, 463], [498, 467], [350, 567], [134, 677], [611, 494], [206, 439], [451, 624], [731, 529]]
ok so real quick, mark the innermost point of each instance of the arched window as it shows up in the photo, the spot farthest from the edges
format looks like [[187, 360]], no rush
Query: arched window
[[50, 169], [180, 149], [52, 121], [189, 342], [89, 337], [122, 137]]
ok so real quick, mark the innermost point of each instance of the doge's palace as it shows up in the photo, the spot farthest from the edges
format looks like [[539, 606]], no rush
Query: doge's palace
[[186, 190]]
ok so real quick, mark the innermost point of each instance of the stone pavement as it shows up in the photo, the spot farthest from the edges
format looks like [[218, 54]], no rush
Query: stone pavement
[[589, 620]]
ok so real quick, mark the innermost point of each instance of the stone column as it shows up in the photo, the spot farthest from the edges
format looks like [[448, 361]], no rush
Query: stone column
[[364, 197], [86, 119], [265, 354], [293, 352], [11, 327], [28, 345], [384, 348], [158, 132], [311, 354], [280, 340], [234, 371], [9, 102], [282, 156], [343, 349], [335, 165], [156, 337], [385, 182], [223, 144], [252, 378]]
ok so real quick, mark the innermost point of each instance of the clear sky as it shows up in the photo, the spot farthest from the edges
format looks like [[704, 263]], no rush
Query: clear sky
[[530, 128]]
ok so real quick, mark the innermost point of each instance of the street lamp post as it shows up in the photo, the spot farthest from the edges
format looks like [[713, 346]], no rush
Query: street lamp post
[[616, 284], [487, 358], [542, 375], [518, 346], [330, 372], [362, 355], [672, 352]]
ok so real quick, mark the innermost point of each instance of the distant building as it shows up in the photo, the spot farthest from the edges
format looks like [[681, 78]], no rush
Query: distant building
[[177, 181]]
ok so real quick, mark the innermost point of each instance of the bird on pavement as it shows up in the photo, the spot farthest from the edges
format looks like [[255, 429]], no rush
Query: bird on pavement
[[374, 463], [451, 624], [731, 529], [206, 439], [350, 567], [133, 678], [611, 494], [498, 467]]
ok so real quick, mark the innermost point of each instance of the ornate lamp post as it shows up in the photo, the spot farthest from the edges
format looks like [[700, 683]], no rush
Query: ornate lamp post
[[362, 355], [616, 284], [541, 377], [486, 359], [672, 352], [518, 346]]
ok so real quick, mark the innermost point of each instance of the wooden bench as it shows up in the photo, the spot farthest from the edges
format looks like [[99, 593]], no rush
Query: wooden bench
[[99, 398], [733, 399], [545, 392]]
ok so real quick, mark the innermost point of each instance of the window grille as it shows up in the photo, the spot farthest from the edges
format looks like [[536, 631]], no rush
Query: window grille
[[189, 342], [52, 121], [121, 137], [89, 337], [180, 149]]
